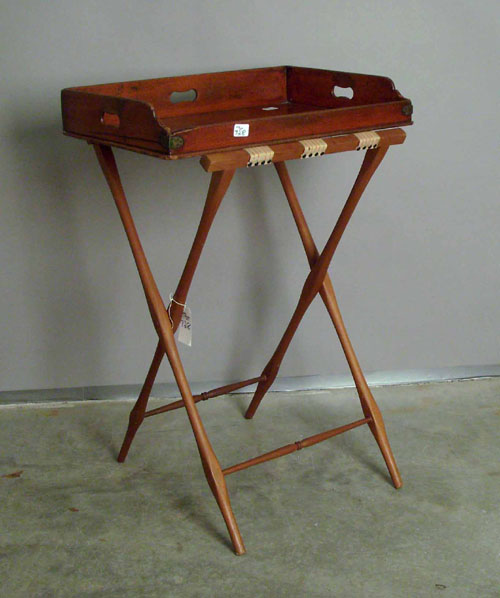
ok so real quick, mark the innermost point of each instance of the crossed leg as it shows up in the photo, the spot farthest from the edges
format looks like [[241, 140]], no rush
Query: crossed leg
[[167, 322], [325, 289], [165, 328], [219, 184]]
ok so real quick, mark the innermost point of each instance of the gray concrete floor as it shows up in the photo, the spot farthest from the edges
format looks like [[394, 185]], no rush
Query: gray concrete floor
[[321, 522]]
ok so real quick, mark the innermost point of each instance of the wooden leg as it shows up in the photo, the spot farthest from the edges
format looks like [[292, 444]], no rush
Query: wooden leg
[[316, 277], [163, 326], [137, 414], [218, 186], [368, 403]]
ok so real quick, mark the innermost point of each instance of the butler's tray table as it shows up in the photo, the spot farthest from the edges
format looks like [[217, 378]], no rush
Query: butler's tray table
[[235, 120]]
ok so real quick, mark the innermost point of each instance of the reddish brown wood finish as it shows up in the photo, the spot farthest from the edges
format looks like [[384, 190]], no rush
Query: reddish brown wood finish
[[138, 413], [218, 187], [223, 167], [309, 123], [216, 92], [294, 150], [140, 115], [368, 404], [316, 277], [294, 446], [161, 321], [204, 396], [314, 86], [83, 113]]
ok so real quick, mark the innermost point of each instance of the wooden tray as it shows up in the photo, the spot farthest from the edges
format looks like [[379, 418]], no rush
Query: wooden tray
[[185, 116]]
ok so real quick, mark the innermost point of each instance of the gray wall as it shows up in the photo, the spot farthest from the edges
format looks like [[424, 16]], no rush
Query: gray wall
[[417, 273]]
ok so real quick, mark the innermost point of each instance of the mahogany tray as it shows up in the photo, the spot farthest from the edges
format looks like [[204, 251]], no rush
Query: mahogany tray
[[176, 117]]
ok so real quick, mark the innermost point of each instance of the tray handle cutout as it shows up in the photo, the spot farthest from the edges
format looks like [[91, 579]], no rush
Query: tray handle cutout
[[342, 92], [190, 95], [110, 120]]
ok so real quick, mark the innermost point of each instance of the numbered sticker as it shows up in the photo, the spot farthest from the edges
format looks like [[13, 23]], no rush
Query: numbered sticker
[[241, 130]]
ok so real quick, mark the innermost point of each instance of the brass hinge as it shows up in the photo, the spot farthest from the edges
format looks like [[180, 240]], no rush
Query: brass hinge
[[171, 142], [407, 109]]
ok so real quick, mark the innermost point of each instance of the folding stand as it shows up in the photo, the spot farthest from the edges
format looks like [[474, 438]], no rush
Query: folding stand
[[166, 320]]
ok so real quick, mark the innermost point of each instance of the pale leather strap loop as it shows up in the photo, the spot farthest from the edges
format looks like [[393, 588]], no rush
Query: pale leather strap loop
[[259, 155], [367, 140], [313, 147]]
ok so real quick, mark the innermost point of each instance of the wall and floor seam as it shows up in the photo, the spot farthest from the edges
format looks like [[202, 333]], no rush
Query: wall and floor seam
[[284, 384]]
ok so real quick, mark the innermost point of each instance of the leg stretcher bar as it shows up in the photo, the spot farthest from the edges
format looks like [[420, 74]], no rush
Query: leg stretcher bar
[[166, 320]]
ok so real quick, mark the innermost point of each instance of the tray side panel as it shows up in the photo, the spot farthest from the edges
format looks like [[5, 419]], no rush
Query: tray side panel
[[215, 91], [316, 86], [107, 118], [293, 126]]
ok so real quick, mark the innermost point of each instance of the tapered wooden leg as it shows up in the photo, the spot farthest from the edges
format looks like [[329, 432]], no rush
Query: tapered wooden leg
[[163, 326], [368, 403], [316, 276], [137, 414], [218, 186]]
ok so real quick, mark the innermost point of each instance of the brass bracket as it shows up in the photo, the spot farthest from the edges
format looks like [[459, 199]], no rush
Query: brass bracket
[[171, 142], [407, 109]]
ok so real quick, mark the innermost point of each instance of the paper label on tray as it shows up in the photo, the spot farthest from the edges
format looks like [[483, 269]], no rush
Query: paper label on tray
[[241, 130], [185, 331]]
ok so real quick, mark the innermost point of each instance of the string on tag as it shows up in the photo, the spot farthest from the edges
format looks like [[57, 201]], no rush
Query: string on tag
[[185, 331], [172, 300]]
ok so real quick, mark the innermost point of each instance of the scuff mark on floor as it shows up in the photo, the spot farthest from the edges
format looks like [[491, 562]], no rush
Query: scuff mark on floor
[[14, 474]]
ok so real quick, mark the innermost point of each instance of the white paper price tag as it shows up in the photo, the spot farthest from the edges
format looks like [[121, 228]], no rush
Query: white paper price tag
[[184, 334], [241, 130]]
